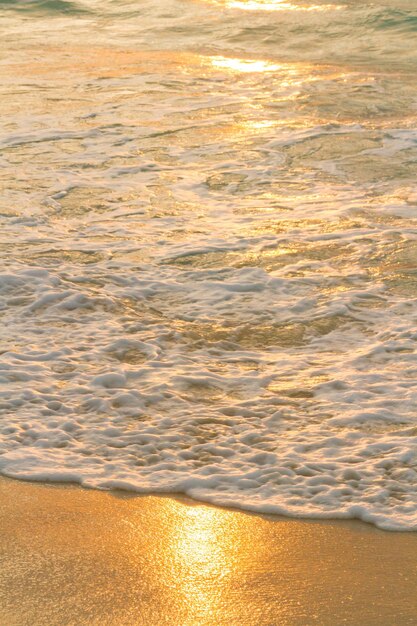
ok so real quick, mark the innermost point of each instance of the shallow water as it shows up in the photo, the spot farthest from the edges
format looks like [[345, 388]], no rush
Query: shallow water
[[209, 251]]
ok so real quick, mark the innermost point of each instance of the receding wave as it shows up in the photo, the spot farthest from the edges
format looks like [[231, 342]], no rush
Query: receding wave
[[208, 253]]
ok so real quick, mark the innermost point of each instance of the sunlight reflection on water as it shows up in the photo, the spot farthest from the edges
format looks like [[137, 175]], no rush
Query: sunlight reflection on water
[[207, 230]]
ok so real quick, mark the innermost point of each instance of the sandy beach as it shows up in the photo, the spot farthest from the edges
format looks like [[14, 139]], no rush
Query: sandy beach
[[208, 279], [76, 556]]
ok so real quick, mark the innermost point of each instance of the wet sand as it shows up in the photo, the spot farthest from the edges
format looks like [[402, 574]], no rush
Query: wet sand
[[74, 556]]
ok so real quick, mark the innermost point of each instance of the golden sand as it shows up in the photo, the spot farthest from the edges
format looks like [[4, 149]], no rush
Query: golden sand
[[71, 556]]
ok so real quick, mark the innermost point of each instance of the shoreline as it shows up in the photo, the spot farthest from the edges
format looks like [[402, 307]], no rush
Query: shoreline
[[364, 517], [82, 556]]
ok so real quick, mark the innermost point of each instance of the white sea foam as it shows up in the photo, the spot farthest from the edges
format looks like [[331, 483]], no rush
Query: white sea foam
[[209, 274]]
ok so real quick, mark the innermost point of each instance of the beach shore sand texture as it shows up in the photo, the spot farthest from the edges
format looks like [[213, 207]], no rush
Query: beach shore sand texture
[[75, 556]]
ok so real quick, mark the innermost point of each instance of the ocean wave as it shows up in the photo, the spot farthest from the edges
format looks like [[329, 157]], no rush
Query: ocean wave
[[209, 251]]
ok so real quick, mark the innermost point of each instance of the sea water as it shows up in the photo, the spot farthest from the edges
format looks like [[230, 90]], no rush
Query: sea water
[[208, 251]]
